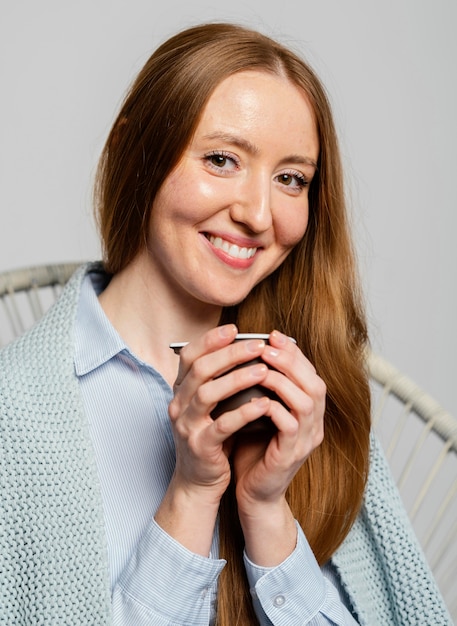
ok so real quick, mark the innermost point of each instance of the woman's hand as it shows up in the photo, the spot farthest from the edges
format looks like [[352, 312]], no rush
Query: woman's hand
[[202, 473], [264, 469]]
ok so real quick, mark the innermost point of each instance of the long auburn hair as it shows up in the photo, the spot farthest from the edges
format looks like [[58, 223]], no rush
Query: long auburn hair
[[313, 296]]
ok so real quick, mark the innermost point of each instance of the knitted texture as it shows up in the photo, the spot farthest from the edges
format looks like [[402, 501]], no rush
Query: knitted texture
[[381, 563], [53, 563]]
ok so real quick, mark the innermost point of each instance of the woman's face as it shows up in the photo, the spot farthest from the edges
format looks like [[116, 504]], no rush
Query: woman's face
[[237, 202]]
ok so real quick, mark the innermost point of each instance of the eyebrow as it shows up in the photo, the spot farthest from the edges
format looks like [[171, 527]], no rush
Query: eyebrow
[[249, 147]]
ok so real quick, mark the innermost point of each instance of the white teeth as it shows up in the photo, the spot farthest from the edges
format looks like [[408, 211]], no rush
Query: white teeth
[[232, 249]]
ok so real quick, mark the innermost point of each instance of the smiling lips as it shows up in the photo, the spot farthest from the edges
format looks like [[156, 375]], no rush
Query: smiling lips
[[232, 249]]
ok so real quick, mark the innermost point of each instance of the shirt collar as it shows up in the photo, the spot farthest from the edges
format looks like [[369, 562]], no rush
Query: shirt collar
[[96, 340]]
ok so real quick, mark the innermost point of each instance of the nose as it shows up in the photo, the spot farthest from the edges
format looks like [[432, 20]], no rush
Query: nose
[[252, 207]]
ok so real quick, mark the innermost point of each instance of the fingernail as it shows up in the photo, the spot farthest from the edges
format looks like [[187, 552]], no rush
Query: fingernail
[[279, 337], [229, 330], [262, 402], [254, 345], [257, 371], [271, 351]]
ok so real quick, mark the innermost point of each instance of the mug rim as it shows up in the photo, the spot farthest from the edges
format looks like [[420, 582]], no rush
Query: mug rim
[[177, 345]]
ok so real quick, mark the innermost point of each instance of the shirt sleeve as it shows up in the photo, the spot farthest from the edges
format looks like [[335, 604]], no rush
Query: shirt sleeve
[[164, 584], [296, 592]]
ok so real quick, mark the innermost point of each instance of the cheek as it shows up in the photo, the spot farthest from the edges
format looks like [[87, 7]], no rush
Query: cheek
[[291, 230], [188, 198]]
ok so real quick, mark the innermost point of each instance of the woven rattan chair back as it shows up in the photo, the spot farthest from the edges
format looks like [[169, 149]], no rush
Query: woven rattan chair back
[[419, 437], [420, 441], [25, 295]]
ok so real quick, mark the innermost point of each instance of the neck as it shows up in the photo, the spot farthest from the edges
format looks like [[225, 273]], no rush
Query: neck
[[149, 316]]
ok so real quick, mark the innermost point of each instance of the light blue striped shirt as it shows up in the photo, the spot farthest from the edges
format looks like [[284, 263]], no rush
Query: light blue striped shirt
[[155, 581]]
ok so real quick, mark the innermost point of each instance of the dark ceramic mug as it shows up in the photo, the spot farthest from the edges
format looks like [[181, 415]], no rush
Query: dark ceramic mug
[[262, 425]]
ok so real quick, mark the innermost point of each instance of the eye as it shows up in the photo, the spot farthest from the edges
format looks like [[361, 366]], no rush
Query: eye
[[218, 159], [222, 161], [293, 180]]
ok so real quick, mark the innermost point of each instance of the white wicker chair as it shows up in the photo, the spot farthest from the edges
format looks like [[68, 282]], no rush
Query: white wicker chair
[[420, 441], [25, 294], [418, 435]]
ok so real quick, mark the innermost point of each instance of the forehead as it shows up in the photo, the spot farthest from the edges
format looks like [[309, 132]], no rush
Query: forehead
[[263, 106]]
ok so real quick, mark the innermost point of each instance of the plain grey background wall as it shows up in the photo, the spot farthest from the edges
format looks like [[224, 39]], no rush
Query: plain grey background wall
[[390, 69]]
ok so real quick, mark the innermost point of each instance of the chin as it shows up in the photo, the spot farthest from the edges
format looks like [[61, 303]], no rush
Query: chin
[[230, 295], [225, 301]]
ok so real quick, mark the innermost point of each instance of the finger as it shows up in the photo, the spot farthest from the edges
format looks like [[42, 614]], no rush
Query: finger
[[285, 351], [296, 437], [212, 366], [231, 422], [210, 341], [290, 361], [303, 398], [301, 420], [208, 395]]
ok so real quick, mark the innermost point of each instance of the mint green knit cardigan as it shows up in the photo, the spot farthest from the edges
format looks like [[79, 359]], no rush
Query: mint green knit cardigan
[[53, 557]]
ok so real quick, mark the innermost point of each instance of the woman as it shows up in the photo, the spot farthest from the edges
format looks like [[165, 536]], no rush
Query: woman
[[221, 209]]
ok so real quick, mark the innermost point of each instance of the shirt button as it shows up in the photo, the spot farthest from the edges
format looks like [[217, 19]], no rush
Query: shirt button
[[279, 601]]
